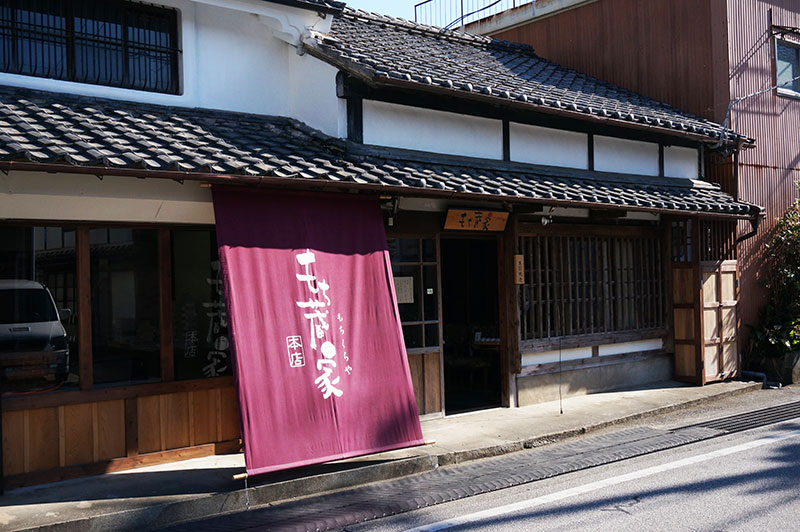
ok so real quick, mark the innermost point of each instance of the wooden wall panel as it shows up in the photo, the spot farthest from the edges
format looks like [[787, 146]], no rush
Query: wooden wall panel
[[685, 361], [710, 287], [79, 429], [728, 286], [42, 428], [13, 442], [110, 429], [229, 426], [683, 290], [711, 323], [96, 436], [433, 387], [416, 364], [204, 416], [684, 324], [712, 361], [730, 358], [661, 48], [729, 322], [175, 420], [149, 423]]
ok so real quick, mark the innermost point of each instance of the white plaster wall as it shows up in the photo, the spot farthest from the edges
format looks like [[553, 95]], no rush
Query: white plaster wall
[[544, 145], [681, 162], [71, 197], [313, 97], [241, 65], [232, 59], [402, 126], [625, 156], [631, 347], [547, 357]]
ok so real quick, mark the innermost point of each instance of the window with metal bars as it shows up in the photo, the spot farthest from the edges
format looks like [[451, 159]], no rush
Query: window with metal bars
[[591, 285], [102, 42]]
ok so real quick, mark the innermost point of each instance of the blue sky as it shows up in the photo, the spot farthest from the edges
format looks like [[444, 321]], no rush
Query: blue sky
[[395, 8]]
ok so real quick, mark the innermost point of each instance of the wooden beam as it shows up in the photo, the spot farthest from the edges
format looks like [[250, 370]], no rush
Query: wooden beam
[[570, 228], [84, 301], [27, 402], [506, 141], [588, 340], [355, 119]]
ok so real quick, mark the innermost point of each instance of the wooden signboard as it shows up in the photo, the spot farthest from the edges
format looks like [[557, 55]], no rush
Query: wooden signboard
[[519, 269], [470, 220]]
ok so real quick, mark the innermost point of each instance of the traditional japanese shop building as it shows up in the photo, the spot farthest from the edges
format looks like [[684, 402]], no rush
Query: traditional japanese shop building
[[538, 220]]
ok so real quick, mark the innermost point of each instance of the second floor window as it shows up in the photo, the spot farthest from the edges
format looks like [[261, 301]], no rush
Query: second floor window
[[102, 42], [788, 66]]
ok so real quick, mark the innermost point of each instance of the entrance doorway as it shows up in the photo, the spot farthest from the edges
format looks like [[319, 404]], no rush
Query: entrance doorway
[[470, 324]]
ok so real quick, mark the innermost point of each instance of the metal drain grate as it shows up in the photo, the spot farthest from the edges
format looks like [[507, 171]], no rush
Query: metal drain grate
[[752, 420]]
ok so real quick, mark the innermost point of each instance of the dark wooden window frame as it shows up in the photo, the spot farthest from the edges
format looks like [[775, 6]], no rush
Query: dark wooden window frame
[[421, 264], [88, 392], [70, 37]]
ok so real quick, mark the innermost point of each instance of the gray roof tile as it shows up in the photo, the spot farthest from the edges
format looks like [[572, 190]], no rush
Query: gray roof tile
[[42, 127], [383, 47]]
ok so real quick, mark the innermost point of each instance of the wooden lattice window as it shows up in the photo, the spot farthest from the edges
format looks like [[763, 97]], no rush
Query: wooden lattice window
[[717, 240], [682, 244], [578, 285]]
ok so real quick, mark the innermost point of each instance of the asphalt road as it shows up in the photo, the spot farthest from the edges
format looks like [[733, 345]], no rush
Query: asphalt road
[[741, 482]]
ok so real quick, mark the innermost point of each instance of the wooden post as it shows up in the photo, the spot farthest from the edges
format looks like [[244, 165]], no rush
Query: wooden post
[[508, 309], [84, 289], [165, 304], [2, 474], [697, 292]]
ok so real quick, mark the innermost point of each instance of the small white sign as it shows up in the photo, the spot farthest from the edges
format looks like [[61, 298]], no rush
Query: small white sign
[[404, 286]]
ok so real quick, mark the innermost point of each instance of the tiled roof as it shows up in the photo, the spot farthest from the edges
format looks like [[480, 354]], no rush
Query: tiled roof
[[103, 135], [390, 50]]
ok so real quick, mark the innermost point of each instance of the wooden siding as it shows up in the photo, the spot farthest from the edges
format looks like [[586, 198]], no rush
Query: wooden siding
[[632, 43], [767, 173], [42, 444], [426, 378]]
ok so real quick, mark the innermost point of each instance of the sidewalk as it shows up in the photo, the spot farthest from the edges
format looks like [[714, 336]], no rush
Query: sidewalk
[[158, 496]]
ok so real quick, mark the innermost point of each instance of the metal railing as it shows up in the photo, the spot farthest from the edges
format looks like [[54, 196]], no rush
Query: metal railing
[[458, 13]]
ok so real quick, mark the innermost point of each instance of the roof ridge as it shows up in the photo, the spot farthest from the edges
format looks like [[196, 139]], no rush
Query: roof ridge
[[435, 31]]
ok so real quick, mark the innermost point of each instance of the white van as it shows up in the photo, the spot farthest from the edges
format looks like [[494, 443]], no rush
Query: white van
[[33, 342]]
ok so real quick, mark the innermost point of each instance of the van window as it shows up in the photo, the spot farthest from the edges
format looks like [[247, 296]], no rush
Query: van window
[[26, 306]]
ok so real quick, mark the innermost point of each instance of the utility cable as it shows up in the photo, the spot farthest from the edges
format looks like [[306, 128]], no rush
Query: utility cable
[[740, 99]]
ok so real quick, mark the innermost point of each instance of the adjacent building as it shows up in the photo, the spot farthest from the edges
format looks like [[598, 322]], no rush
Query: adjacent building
[[736, 62], [544, 226]]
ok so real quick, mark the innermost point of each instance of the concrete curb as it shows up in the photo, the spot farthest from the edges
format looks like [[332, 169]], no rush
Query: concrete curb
[[457, 457], [176, 512]]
